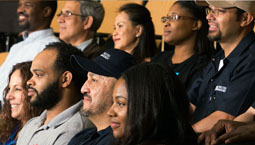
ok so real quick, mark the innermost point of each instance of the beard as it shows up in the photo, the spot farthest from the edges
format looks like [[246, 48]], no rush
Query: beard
[[217, 37], [24, 25], [48, 98], [95, 108]]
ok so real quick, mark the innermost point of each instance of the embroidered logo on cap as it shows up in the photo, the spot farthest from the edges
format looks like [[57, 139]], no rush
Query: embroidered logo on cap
[[106, 55]]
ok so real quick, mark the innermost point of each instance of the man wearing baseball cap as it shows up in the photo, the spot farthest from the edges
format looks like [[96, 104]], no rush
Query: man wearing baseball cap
[[226, 87], [102, 73]]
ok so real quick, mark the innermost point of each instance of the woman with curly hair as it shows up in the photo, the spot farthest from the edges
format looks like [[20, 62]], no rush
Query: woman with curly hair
[[16, 109], [150, 107]]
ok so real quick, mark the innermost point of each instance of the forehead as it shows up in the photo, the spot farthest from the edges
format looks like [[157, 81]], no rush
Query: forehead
[[45, 60], [120, 88], [30, 1], [103, 79], [15, 78], [177, 9], [73, 6], [122, 17]]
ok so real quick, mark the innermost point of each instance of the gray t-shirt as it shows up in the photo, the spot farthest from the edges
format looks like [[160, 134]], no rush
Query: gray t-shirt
[[58, 131]]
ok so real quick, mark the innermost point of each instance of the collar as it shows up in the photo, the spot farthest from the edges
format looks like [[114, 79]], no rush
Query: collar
[[239, 49], [84, 44], [105, 131], [37, 34], [62, 117]]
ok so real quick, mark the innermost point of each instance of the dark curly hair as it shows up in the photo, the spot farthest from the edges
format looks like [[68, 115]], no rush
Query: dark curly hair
[[7, 123]]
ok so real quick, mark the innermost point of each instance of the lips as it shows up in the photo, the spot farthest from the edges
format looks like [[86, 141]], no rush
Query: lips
[[31, 92], [22, 17], [212, 26], [166, 32], [86, 98], [115, 124], [116, 39]]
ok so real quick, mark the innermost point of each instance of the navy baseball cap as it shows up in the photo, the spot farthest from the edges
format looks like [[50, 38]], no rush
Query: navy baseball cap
[[110, 63]]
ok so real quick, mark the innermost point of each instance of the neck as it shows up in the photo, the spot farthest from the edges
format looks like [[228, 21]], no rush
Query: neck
[[183, 51], [38, 28], [101, 121], [75, 41], [129, 49], [67, 101]]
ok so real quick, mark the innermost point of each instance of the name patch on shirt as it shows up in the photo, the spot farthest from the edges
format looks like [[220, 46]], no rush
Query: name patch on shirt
[[221, 89]]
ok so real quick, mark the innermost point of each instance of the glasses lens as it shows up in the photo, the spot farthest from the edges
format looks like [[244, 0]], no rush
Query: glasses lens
[[59, 14], [163, 19], [207, 11]]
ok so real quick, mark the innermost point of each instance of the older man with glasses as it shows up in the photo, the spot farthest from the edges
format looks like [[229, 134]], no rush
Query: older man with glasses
[[78, 24], [226, 87]]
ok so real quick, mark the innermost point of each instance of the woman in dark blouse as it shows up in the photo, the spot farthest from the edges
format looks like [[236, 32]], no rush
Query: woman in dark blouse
[[186, 28]]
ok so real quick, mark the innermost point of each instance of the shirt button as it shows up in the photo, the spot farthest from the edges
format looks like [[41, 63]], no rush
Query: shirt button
[[211, 80]]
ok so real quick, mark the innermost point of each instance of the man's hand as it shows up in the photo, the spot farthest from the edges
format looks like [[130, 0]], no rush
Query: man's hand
[[242, 133], [224, 127]]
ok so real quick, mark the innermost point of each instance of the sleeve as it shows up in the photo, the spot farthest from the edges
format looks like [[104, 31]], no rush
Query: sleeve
[[194, 89]]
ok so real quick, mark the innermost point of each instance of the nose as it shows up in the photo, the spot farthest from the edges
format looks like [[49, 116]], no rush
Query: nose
[[9, 95], [60, 19], [111, 112], [20, 8], [30, 82], [114, 33], [85, 88], [210, 16], [167, 23]]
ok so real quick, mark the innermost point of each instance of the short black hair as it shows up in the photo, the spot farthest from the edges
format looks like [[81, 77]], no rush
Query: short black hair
[[52, 4], [62, 62]]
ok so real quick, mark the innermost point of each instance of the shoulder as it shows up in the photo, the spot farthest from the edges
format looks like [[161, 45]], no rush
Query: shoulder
[[82, 135]]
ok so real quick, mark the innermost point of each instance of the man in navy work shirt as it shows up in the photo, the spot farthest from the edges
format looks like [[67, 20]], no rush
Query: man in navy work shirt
[[103, 73], [226, 87]]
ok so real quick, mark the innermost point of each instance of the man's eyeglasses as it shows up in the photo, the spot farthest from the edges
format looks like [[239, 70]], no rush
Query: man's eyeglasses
[[217, 12], [68, 14], [175, 18]]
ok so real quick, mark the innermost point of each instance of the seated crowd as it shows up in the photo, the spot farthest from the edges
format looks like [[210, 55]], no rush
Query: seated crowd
[[71, 91]]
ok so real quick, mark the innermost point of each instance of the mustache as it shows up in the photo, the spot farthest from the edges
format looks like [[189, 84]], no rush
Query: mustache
[[86, 95], [29, 87]]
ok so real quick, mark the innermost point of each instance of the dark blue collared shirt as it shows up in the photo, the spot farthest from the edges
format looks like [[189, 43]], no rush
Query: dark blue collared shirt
[[90, 136], [230, 89]]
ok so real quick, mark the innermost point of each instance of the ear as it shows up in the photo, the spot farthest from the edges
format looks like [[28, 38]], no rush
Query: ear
[[139, 30], [197, 25], [47, 11], [66, 79], [87, 23], [247, 18]]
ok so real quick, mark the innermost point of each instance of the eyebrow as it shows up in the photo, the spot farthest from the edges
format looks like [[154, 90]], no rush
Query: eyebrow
[[118, 97], [36, 70]]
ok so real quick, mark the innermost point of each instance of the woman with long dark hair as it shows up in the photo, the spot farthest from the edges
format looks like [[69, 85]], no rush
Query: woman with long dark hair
[[150, 107], [134, 32], [17, 109], [186, 28]]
